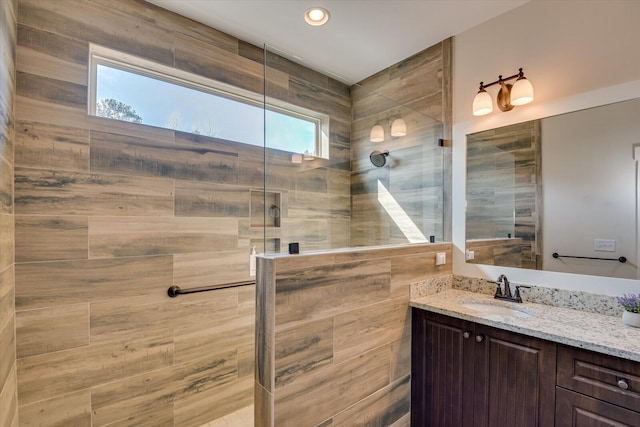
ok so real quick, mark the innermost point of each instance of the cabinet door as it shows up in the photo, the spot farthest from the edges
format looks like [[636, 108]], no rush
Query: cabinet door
[[515, 380], [607, 378], [577, 410], [442, 371]]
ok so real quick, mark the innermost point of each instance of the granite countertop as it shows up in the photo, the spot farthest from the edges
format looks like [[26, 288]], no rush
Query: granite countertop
[[596, 332]]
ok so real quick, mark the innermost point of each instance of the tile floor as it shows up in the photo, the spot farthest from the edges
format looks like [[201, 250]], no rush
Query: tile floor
[[241, 418]]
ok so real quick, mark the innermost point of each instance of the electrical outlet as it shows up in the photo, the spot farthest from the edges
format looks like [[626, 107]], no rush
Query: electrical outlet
[[602, 245], [469, 255], [441, 258]]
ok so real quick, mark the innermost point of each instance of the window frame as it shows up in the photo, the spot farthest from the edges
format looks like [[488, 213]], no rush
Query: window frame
[[99, 55]]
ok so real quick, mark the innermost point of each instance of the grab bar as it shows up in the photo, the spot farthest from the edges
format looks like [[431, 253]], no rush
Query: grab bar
[[175, 290], [622, 259]]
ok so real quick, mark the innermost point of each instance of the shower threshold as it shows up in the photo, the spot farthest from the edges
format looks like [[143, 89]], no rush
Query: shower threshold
[[241, 418]]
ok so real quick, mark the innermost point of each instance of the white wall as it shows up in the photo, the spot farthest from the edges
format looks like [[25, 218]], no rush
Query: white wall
[[577, 54]]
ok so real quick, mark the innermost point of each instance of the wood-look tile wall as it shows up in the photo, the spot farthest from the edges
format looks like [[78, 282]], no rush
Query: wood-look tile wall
[[109, 215], [503, 194], [334, 345], [8, 379], [417, 173]]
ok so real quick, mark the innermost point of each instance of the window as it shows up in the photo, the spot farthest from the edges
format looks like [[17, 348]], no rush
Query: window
[[128, 88]]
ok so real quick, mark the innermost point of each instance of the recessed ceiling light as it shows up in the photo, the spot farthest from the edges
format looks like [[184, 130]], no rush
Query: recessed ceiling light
[[316, 16]]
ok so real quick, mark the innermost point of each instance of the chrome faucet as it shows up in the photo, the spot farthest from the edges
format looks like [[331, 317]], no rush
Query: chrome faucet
[[503, 282]]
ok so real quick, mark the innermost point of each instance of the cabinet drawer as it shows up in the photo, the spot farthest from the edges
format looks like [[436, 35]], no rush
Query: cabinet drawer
[[604, 377], [576, 410]]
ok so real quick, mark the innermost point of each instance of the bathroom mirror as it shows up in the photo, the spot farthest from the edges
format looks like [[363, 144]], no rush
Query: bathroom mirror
[[557, 194]]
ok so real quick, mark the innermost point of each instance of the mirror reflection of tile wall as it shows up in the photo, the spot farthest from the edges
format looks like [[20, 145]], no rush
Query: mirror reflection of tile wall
[[503, 195]]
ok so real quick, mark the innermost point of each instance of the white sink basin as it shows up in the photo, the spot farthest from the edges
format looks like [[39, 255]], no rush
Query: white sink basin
[[488, 308]]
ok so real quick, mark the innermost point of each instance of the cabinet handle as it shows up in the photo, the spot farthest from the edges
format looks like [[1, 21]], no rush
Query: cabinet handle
[[623, 384], [479, 338], [466, 334]]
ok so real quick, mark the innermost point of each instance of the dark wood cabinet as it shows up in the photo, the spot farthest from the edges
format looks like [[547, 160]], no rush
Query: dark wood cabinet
[[577, 410], [596, 390], [442, 371], [516, 374], [471, 375], [466, 374]]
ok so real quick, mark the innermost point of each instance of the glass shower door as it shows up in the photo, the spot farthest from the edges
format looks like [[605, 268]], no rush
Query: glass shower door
[[330, 184]]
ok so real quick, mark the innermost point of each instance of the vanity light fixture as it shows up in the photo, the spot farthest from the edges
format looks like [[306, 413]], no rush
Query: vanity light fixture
[[316, 16], [520, 93]]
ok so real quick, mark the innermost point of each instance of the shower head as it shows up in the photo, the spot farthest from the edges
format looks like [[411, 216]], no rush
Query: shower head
[[379, 158]]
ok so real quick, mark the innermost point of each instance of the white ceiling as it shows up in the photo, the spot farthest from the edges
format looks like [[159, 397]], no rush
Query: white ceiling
[[362, 36]]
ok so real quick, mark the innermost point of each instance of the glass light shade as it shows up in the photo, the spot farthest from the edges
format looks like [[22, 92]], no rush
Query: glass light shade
[[398, 128], [377, 134], [482, 103], [521, 92]]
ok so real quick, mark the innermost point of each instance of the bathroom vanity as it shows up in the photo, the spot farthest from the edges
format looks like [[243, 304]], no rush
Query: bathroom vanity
[[468, 374], [554, 366]]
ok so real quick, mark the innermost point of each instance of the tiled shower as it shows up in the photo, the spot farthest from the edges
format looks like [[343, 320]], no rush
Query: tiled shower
[[109, 214]]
